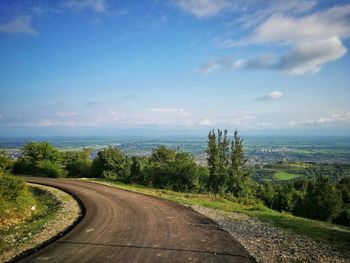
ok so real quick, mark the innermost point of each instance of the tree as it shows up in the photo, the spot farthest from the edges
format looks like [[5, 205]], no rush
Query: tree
[[40, 151], [240, 176], [40, 158], [322, 200], [77, 163], [213, 162], [169, 169], [112, 162], [136, 170]]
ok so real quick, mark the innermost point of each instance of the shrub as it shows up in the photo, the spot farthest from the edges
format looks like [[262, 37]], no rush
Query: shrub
[[110, 175], [10, 187], [5, 162], [112, 160], [77, 163], [49, 169]]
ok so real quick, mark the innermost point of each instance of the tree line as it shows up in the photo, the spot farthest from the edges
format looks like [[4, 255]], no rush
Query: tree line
[[226, 173]]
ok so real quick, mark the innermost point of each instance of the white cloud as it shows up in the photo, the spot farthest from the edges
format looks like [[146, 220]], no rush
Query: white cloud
[[19, 25], [98, 6], [310, 40], [65, 114], [204, 8], [306, 57], [242, 121], [332, 119], [205, 122], [309, 57], [273, 95], [166, 110]]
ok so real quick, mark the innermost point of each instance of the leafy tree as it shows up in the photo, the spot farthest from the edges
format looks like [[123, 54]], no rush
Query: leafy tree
[[40, 158], [322, 200], [168, 169], [40, 151], [136, 170], [77, 163], [111, 160]]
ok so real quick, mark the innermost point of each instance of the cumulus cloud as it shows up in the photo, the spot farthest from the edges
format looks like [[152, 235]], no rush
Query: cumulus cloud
[[19, 25], [204, 8], [310, 40], [98, 6], [307, 57], [273, 95]]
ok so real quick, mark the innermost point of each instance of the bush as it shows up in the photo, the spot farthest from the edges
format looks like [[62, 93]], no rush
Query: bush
[[77, 163], [49, 169], [6, 163], [10, 187], [171, 170], [110, 175], [112, 160]]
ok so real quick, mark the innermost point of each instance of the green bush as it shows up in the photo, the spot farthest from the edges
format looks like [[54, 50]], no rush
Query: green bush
[[6, 163], [77, 163], [112, 160], [49, 169], [10, 187], [110, 175]]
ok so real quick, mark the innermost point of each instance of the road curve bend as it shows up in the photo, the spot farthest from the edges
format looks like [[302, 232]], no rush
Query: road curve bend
[[123, 226]]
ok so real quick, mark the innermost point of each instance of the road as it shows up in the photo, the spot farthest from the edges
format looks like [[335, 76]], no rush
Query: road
[[123, 226]]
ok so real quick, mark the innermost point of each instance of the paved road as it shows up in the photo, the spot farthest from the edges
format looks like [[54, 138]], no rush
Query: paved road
[[122, 226]]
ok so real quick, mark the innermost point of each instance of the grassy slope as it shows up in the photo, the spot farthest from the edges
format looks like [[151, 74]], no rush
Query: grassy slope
[[27, 226], [334, 235]]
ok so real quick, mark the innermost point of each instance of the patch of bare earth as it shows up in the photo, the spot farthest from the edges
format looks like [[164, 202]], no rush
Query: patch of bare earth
[[67, 214], [270, 244]]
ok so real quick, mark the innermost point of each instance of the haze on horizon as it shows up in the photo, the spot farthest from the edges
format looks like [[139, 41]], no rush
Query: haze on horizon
[[102, 67]]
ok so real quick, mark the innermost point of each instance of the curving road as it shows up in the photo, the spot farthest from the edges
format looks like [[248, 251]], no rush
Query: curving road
[[123, 226]]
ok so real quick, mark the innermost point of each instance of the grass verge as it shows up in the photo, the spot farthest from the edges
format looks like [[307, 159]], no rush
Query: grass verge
[[331, 234], [39, 206]]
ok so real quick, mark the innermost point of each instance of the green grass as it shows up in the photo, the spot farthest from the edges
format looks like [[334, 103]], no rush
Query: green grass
[[284, 176], [46, 206], [337, 236]]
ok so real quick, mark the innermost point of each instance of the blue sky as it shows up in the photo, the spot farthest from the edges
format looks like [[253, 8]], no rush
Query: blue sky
[[102, 67]]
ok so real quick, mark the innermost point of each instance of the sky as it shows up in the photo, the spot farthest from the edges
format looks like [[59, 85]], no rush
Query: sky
[[103, 67]]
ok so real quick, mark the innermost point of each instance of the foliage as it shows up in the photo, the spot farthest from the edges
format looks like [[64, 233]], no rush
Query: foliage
[[40, 158], [169, 169], [227, 170], [112, 160], [319, 198], [77, 163], [10, 187], [6, 163]]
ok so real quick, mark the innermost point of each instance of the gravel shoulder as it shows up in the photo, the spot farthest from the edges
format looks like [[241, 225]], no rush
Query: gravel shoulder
[[270, 244], [68, 214]]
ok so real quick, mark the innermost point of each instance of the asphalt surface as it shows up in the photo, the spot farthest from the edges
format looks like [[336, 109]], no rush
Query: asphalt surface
[[123, 226]]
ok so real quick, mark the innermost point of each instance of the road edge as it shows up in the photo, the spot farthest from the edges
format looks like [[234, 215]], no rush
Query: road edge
[[59, 234]]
